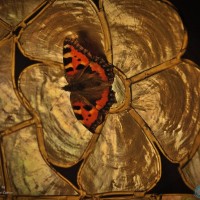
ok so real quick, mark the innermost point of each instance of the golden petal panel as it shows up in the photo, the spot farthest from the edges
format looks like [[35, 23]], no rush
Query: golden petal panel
[[11, 110], [191, 171], [27, 171], [4, 30], [65, 138], [43, 38], [123, 159], [13, 12], [169, 103], [140, 34]]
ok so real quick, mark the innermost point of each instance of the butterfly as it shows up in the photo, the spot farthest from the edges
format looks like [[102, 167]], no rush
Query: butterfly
[[90, 81]]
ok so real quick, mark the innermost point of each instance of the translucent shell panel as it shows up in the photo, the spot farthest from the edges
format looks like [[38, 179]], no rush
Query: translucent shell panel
[[169, 103], [140, 34], [43, 38], [11, 109], [191, 170], [13, 12], [28, 173], [123, 159], [65, 139]]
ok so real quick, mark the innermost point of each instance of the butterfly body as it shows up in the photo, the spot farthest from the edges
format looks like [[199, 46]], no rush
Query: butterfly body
[[90, 83]]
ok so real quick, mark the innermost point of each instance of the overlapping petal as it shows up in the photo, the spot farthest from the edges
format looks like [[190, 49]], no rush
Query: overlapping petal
[[27, 171], [169, 103], [191, 170], [65, 139], [123, 160], [43, 38], [140, 34], [13, 12], [11, 110]]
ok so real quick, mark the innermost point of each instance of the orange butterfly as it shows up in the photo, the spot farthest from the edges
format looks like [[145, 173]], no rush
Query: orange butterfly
[[90, 81]]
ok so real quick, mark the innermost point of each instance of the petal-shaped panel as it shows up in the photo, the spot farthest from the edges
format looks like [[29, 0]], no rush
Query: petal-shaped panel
[[140, 34], [4, 29], [11, 110], [169, 103], [65, 138], [27, 171], [13, 12], [43, 38], [123, 159], [191, 170]]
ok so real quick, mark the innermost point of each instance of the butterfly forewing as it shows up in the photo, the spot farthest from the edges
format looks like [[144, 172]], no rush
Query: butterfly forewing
[[73, 59]]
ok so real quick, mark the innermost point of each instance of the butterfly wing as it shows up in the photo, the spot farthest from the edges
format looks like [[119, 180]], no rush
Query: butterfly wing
[[75, 58], [85, 112], [91, 116]]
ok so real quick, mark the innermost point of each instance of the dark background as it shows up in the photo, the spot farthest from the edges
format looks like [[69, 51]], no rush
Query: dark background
[[189, 10]]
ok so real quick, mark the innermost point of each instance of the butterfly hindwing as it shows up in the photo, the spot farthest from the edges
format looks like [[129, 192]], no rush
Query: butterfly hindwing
[[106, 100], [91, 113], [85, 112]]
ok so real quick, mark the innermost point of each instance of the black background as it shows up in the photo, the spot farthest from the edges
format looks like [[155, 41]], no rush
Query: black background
[[189, 10]]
